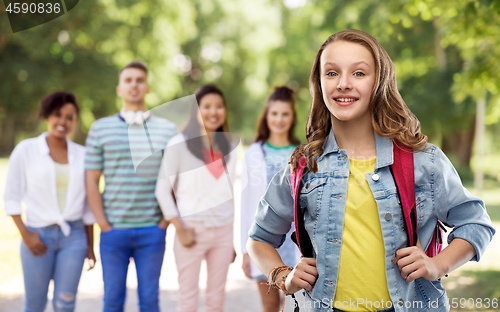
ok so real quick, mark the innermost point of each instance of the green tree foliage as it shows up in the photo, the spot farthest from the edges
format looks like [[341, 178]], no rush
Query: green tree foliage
[[444, 53], [439, 49], [82, 52]]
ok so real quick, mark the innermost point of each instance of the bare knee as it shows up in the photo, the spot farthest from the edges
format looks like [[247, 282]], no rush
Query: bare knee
[[65, 301]]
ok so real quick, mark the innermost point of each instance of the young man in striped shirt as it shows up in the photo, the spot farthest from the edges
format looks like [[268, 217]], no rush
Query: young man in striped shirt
[[131, 222]]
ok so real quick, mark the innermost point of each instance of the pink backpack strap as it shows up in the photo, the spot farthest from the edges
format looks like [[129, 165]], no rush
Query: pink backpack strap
[[436, 244], [403, 172], [300, 236]]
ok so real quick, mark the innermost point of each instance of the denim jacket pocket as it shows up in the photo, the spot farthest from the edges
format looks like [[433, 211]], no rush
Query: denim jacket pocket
[[310, 195], [423, 211], [423, 205]]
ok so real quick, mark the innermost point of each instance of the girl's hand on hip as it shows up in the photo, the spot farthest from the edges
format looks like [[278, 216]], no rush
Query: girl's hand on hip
[[35, 244], [414, 263], [303, 276]]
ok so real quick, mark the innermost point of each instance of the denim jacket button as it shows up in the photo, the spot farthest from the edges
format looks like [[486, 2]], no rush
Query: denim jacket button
[[307, 185], [388, 216], [375, 177]]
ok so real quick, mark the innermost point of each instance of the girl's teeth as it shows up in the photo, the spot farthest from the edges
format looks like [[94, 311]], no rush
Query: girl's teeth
[[345, 100]]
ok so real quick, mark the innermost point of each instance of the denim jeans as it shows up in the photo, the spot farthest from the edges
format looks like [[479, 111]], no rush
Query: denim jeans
[[147, 247], [63, 263]]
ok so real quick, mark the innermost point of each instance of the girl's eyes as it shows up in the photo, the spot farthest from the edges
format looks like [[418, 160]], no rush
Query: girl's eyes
[[207, 107], [277, 114], [357, 74]]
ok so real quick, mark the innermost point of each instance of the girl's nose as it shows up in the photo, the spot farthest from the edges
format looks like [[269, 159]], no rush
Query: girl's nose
[[344, 84]]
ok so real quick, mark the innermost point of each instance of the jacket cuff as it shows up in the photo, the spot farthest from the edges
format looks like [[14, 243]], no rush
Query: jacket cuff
[[259, 234], [477, 235]]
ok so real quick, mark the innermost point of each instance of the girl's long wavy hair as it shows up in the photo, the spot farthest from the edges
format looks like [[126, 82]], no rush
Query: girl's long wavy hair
[[391, 117], [283, 94]]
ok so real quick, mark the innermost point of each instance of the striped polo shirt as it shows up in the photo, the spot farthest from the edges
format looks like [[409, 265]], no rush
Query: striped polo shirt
[[130, 158]]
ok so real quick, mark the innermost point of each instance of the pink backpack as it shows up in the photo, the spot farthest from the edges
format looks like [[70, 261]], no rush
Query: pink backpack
[[403, 172]]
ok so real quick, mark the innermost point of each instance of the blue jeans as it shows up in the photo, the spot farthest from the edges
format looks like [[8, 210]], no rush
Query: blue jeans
[[147, 247], [63, 263]]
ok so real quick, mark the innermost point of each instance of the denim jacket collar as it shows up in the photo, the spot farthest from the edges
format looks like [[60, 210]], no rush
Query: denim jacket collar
[[382, 144]]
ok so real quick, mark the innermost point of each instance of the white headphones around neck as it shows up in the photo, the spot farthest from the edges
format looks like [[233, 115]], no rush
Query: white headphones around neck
[[132, 117]]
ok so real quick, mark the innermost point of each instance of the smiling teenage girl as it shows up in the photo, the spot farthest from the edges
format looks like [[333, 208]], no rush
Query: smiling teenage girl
[[353, 216], [273, 146], [199, 165], [47, 174]]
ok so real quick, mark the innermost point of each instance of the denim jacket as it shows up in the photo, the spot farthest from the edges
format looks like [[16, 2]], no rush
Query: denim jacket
[[439, 195]]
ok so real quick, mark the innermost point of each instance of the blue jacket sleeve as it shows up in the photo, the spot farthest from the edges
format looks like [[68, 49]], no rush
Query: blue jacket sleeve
[[275, 211], [458, 208]]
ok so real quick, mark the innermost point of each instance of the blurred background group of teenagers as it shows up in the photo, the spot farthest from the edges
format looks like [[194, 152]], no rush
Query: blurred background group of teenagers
[[356, 113], [58, 180]]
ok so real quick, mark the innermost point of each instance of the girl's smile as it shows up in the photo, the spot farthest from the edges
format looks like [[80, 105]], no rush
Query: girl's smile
[[345, 100]]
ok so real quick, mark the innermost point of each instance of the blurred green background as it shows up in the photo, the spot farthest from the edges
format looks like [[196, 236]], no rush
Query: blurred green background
[[446, 53]]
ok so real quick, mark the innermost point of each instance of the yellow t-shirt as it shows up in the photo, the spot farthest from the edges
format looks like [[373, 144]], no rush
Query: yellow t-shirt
[[361, 277], [62, 181]]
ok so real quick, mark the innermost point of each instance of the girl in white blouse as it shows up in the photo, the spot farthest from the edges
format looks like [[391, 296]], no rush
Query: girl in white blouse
[[47, 174], [198, 167]]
